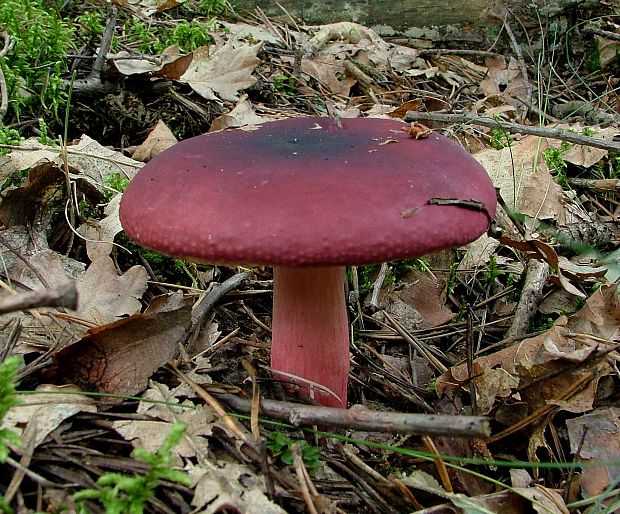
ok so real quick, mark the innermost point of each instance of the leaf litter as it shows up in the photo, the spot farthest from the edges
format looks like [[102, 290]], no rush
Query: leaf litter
[[551, 393]]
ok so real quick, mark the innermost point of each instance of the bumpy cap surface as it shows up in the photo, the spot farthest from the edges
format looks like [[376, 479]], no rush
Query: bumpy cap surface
[[305, 192]]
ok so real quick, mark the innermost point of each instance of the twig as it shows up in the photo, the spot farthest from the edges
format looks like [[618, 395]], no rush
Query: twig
[[304, 481], [517, 50], [9, 43], [61, 296], [230, 422], [360, 418], [418, 345], [603, 33], [458, 52], [605, 185], [563, 135], [377, 285], [536, 276], [208, 301], [93, 82]]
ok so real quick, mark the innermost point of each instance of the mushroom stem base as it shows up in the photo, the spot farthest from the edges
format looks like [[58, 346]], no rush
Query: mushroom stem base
[[310, 331]]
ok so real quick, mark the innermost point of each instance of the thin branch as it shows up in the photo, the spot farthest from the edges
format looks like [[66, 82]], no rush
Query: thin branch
[[458, 52], [9, 43], [517, 50], [564, 135], [535, 278], [209, 300], [61, 296], [360, 418]]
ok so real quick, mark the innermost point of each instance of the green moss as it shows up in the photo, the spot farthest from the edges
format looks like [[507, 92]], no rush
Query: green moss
[[34, 66]]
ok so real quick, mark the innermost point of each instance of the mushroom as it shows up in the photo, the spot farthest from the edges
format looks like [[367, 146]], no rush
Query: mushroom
[[309, 196]]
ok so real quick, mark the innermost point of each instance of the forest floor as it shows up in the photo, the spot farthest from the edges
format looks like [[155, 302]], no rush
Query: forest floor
[[125, 402]]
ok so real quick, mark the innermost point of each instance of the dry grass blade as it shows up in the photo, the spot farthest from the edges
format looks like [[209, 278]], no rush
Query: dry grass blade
[[229, 421]]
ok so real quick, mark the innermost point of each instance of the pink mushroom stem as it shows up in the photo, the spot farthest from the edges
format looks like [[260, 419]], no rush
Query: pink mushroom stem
[[310, 331]]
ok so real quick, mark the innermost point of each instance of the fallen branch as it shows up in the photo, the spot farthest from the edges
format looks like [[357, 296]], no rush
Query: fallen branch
[[205, 305], [9, 43], [563, 135], [360, 418], [61, 296], [94, 83], [536, 276]]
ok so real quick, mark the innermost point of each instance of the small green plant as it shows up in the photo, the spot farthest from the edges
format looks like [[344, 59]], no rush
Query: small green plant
[[120, 493], [556, 164], [451, 278], [213, 7], [44, 137], [492, 272], [281, 447], [144, 35], [284, 84], [115, 183], [9, 136], [8, 399], [589, 131], [500, 138], [190, 35], [187, 35], [91, 23]]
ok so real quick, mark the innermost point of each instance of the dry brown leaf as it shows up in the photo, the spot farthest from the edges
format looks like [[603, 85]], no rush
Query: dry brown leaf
[[582, 155], [477, 252], [241, 115], [119, 358], [99, 234], [543, 500], [230, 486], [174, 64], [505, 81], [198, 419], [524, 180], [151, 434], [600, 316], [55, 268], [96, 163], [354, 34], [160, 138], [244, 31], [595, 438], [104, 296], [22, 204], [170, 59], [135, 66], [504, 501], [425, 295], [30, 154], [551, 354], [224, 73], [326, 69], [335, 42], [42, 412], [149, 7]]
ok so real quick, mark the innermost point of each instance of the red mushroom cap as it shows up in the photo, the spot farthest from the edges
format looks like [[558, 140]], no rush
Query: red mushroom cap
[[305, 192]]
